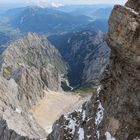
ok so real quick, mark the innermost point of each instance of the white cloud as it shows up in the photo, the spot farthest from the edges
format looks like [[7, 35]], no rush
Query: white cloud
[[54, 4], [57, 2], [40, 3]]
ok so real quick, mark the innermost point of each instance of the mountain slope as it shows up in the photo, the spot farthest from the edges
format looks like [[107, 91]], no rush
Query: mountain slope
[[114, 113], [44, 20], [12, 113], [97, 25], [3, 40], [99, 11], [28, 67], [35, 65], [86, 54]]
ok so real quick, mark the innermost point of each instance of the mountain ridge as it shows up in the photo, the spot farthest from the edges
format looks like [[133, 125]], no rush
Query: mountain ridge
[[20, 62], [43, 19]]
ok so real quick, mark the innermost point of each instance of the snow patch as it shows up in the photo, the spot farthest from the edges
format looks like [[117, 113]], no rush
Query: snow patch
[[71, 125], [89, 119], [81, 134], [98, 134], [98, 90], [18, 110], [83, 115], [108, 136], [132, 10], [88, 136], [99, 114], [48, 129], [136, 138]]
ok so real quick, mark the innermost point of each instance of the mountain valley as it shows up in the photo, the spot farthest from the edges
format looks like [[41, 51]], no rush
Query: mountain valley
[[70, 72], [85, 52]]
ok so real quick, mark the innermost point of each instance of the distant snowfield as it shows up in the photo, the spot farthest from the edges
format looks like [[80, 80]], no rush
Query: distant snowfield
[[53, 105]]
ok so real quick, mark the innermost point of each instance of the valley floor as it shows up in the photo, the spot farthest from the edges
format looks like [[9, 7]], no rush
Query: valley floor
[[53, 105]]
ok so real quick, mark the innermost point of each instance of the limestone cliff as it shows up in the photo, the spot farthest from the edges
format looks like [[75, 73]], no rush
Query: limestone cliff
[[27, 68], [114, 113], [15, 122], [8, 134], [35, 65]]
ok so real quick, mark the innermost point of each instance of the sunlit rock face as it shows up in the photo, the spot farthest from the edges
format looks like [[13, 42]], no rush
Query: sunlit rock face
[[121, 92], [28, 67], [114, 112], [35, 65]]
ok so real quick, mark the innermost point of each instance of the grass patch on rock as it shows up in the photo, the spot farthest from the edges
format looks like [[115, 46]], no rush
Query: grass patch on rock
[[7, 71], [87, 89]]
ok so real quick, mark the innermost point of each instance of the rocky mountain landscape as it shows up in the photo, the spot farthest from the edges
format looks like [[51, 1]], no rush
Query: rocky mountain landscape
[[36, 69], [31, 73], [43, 20], [3, 40], [23, 80], [86, 54], [114, 113], [96, 11], [17, 21]]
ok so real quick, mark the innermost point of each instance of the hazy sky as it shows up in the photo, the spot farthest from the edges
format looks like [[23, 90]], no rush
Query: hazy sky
[[62, 2]]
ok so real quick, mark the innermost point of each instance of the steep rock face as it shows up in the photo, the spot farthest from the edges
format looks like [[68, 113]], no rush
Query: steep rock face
[[121, 99], [27, 68], [86, 54], [134, 4], [114, 113], [7, 134], [96, 61], [35, 65], [13, 117]]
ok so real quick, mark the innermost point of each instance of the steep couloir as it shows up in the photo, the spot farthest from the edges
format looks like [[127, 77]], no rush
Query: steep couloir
[[114, 113]]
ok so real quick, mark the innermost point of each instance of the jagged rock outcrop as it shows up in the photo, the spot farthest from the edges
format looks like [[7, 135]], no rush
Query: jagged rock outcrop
[[114, 113], [134, 4], [7, 134], [35, 65], [121, 99], [13, 117], [28, 66]]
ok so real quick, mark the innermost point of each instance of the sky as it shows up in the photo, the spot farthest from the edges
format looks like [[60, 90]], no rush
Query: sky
[[61, 2]]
